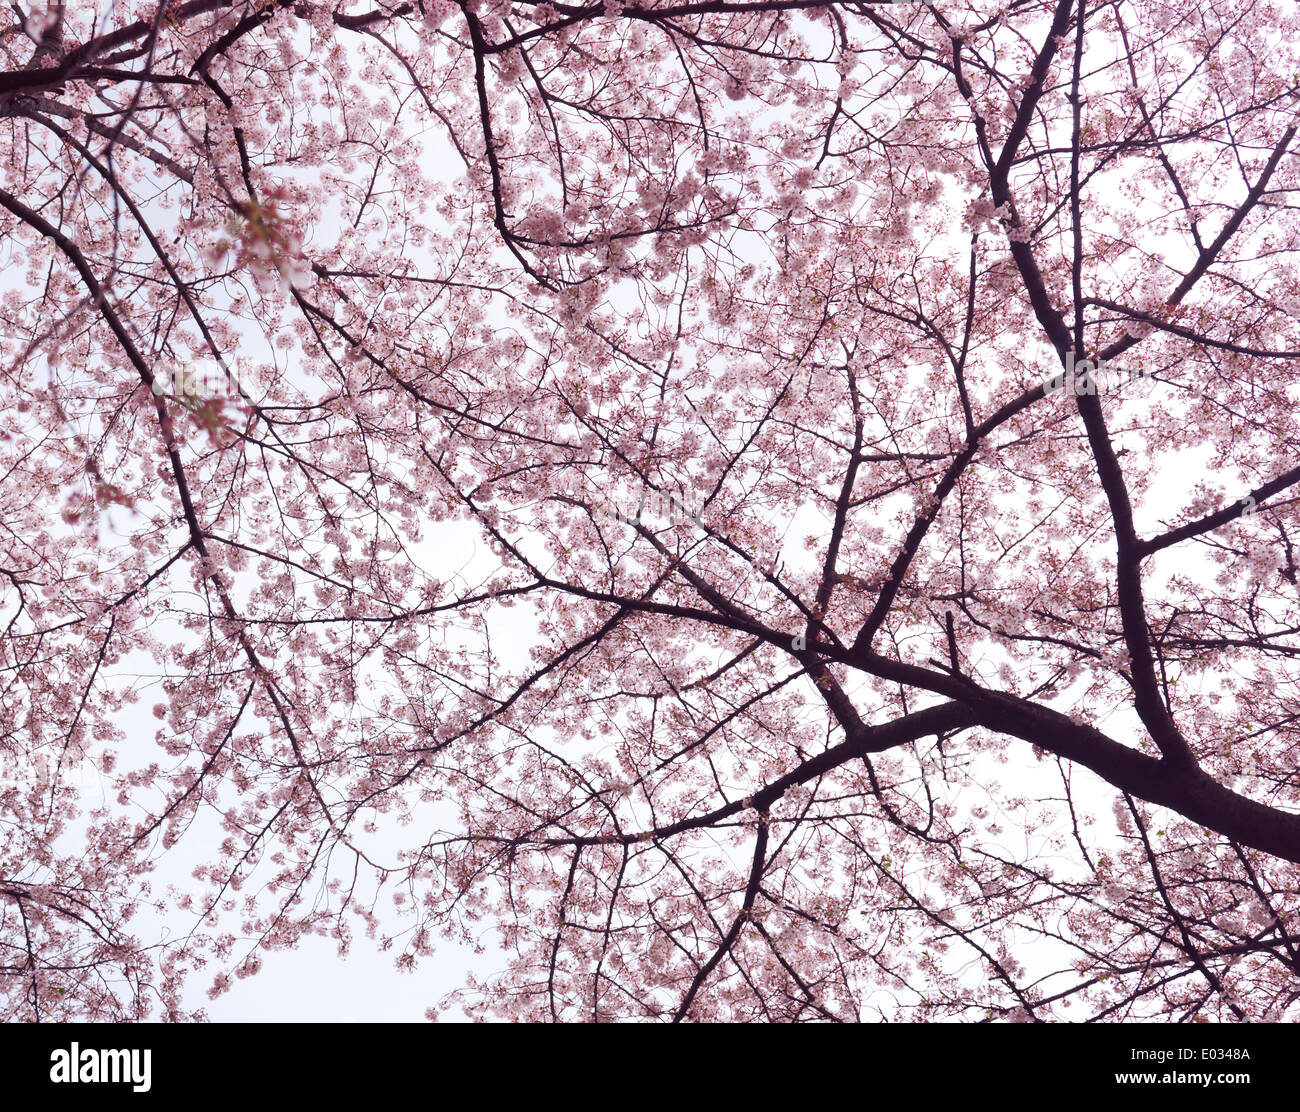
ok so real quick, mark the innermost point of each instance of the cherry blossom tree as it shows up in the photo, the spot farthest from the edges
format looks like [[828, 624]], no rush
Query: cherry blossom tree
[[876, 422]]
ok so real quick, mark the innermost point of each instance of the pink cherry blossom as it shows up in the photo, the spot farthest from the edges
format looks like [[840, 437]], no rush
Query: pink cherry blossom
[[653, 542]]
